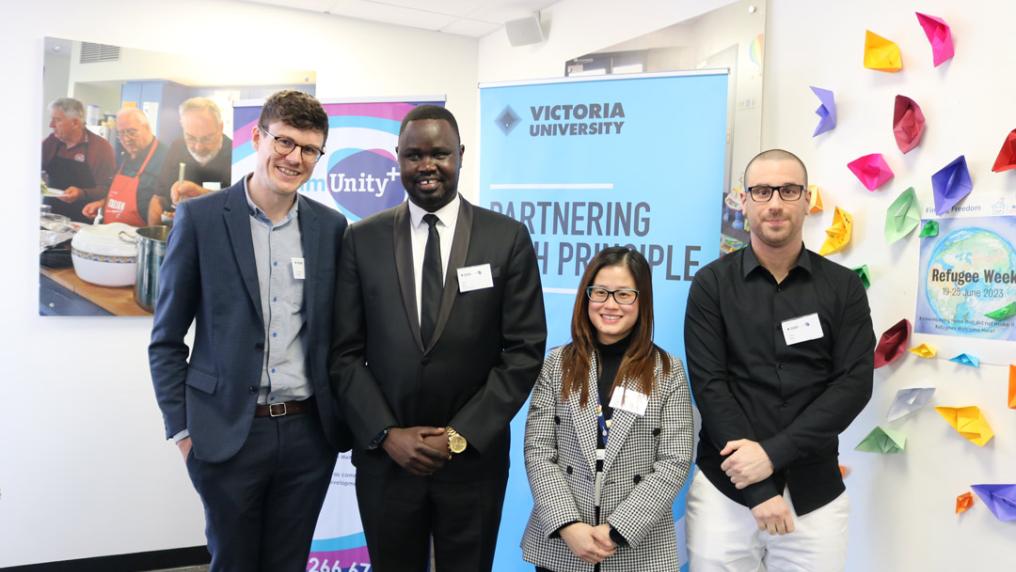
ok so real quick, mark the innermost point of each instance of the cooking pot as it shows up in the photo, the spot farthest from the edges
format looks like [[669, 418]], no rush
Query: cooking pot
[[151, 249], [102, 257]]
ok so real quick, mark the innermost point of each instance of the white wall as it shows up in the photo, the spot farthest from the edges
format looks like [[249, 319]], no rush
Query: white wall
[[695, 43], [215, 68], [577, 27], [105, 95], [902, 506], [54, 85], [84, 469]]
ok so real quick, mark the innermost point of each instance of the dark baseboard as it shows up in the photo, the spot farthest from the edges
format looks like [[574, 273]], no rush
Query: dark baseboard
[[137, 562]]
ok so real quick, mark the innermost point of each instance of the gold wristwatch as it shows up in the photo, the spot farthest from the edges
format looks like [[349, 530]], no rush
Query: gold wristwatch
[[456, 442]]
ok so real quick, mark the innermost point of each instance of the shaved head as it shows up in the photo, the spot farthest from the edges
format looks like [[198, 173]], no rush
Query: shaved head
[[774, 155]]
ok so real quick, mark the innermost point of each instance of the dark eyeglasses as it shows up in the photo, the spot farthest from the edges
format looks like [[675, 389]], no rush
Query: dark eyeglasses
[[623, 296], [764, 193], [284, 146]]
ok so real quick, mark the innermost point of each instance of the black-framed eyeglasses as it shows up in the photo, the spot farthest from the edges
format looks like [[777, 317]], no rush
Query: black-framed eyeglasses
[[764, 193], [284, 146], [623, 296]]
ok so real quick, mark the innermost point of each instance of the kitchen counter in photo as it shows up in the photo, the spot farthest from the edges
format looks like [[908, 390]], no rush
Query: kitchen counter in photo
[[62, 293]]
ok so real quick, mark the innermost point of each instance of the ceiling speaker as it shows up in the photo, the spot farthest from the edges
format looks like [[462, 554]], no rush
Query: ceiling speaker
[[524, 31]]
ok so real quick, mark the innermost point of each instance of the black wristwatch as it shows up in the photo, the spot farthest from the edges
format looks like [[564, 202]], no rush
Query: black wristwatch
[[378, 439]]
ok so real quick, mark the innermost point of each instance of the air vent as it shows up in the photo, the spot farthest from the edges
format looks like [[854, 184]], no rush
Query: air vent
[[95, 53]]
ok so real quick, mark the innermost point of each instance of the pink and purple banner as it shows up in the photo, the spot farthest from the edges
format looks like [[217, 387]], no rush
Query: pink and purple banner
[[359, 174]]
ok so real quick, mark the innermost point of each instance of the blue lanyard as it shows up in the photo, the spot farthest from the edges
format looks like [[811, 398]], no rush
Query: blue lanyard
[[604, 424]]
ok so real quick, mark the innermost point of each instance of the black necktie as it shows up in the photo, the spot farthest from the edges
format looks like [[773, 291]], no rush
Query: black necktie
[[433, 285]]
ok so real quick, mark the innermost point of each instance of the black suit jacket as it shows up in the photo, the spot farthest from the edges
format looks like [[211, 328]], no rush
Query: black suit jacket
[[486, 351], [210, 276]]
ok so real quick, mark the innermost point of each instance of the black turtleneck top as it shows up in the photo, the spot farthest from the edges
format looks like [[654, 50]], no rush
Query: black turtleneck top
[[610, 361], [610, 356]]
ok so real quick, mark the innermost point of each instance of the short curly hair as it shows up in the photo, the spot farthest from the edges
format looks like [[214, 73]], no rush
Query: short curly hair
[[296, 109]]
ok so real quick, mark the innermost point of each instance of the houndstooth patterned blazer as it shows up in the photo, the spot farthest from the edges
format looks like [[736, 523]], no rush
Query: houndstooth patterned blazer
[[646, 464]]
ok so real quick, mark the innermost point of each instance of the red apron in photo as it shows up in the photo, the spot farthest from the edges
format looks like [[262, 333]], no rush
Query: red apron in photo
[[122, 199]]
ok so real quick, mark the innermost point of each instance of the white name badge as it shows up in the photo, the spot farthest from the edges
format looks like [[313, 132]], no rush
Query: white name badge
[[797, 330], [475, 278], [298, 269], [629, 400], [212, 185]]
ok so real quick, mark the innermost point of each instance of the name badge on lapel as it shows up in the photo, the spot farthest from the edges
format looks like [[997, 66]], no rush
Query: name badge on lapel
[[475, 278], [298, 269], [797, 330], [627, 399]]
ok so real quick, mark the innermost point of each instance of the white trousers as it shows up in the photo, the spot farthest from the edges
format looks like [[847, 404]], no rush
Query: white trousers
[[724, 537]]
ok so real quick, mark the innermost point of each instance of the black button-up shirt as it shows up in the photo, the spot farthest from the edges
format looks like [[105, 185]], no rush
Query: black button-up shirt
[[794, 400]]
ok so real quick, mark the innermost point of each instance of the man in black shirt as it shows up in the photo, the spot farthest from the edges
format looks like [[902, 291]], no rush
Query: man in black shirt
[[780, 348], [205, 152]]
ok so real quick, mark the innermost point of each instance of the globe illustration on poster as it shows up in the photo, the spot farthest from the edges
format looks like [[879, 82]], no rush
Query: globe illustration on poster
[[966, 278]]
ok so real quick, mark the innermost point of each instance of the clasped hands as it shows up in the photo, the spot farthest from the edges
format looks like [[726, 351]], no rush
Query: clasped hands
[[592, 544], [748, 463], [420, 450]]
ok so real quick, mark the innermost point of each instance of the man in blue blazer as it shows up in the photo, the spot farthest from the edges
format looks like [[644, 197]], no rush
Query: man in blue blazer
[[249, 405]]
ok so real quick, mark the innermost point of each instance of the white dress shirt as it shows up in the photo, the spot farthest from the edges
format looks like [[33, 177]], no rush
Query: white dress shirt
[[447, 216]]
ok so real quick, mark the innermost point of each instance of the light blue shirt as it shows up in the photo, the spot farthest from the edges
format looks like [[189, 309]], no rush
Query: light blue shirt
[[276, 245], [276, 248]]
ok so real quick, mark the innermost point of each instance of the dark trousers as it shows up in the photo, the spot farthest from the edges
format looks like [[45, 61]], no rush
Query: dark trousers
[[401, 512], [261, 505]]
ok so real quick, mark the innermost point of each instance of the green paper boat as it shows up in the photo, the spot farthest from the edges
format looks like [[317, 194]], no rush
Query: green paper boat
[[903, 216], [884, 441], [862, 272], [1003, 313]]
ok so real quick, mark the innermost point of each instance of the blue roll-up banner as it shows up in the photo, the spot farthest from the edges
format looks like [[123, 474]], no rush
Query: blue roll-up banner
[[593, 162]]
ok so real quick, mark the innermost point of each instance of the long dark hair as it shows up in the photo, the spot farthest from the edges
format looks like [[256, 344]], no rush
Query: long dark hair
[[639, 361]]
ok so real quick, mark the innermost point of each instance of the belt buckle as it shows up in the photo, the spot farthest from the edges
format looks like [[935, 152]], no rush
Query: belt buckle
[[280, 407]]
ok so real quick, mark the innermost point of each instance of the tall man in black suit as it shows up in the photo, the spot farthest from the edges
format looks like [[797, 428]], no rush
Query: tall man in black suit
[[439, 336], [249, 405]]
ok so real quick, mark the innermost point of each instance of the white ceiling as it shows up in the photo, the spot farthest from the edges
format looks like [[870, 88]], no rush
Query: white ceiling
[[474, 18]]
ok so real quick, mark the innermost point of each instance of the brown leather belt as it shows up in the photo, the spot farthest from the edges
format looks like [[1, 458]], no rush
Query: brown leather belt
[[285, 408]]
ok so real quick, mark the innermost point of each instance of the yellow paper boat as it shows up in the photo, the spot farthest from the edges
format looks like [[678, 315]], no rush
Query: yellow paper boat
[[839, 233], [881, 54], [969, 422], [815, 205]]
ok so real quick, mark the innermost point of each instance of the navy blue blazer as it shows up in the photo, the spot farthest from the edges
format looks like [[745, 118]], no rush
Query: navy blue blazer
[[209, 276]]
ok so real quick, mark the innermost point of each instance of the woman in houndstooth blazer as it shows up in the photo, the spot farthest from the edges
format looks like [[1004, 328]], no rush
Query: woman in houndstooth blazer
[[609, 433]]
